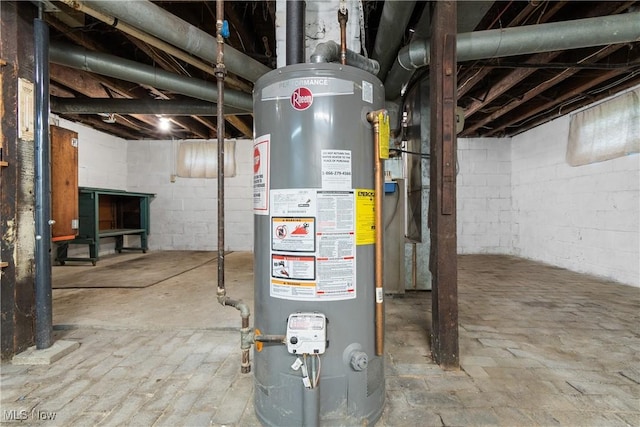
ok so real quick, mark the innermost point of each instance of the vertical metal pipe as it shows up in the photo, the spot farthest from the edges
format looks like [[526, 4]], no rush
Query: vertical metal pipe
[[220, 74], [295, 32], [311, 407], [372, 117], [343, 17], [44, 317], [245, 346], [414, 267], [245, 363]]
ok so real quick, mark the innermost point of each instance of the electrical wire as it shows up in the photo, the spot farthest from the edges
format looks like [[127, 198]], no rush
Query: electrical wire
[[395, 210], [317, 378], [414, 153]]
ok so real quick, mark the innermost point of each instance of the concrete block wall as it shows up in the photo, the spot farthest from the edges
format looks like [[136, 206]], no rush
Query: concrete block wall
[[484, 196], [184, 212], [515, 196], [583, 218]]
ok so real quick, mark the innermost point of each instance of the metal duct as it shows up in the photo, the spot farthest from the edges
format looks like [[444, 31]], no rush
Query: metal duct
[[330, 52], [182, 107], [156, 21], [295, 32], [153, 41], [469, 15], [394, 20], [574, 34], [113, 66]]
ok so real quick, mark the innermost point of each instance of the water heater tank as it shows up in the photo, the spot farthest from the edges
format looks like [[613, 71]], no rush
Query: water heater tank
[[314, 243]]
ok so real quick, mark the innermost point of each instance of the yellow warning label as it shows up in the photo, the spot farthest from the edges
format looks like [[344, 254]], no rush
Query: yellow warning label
[[365, 217], [383, 119]]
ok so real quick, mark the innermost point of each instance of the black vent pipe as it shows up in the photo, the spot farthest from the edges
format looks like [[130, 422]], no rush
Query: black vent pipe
[[295, 31], [42, 214]]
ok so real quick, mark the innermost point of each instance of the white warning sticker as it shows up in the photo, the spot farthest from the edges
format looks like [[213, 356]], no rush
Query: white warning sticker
[[313, 244], [367, 92], [336, 169]]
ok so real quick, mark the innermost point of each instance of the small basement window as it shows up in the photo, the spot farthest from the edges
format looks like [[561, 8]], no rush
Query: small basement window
[[605, 131]]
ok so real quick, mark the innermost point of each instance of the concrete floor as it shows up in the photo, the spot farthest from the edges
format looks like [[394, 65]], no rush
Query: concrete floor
[[540, 346]]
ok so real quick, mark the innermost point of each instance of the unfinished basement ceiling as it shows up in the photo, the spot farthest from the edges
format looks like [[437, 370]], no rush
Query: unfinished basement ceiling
[[501, 96]]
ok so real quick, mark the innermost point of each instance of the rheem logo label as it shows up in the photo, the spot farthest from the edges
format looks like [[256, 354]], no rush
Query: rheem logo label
[[301, 98]]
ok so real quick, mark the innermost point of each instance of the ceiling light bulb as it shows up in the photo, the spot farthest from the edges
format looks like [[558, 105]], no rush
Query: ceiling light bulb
[[164, 124]]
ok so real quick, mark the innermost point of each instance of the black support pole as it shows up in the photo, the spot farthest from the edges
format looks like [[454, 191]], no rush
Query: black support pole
[[44, 317], [295, 32]]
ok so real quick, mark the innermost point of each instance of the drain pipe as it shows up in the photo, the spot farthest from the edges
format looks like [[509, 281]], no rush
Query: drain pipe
[[295, 32], [245, 332], [43, 299], [579, 33], [378, 119], [330, 52]]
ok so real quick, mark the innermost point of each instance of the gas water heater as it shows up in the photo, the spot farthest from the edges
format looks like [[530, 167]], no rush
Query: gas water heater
[[314, 246]]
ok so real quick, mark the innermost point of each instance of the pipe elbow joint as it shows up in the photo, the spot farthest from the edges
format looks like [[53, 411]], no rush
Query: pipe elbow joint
[[245, 312], [325, 52]]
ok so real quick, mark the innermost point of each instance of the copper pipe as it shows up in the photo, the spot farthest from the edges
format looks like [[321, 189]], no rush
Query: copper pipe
[[373, 118], [343, 17]]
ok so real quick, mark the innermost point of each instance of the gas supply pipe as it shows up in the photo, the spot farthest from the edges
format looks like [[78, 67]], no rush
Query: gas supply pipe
[[380, 121]]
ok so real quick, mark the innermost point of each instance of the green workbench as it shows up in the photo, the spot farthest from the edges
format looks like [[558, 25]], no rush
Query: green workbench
[[108, 213]]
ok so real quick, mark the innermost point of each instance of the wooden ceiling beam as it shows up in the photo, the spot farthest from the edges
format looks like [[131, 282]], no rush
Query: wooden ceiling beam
[[469, 83], [162, 60], [509, 81], [104, 127], [59, 91], [579, 103], [78, 37], [79, 81], [246, 38], [532, 93], [208, 123], [192, 126], [239, 124]]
